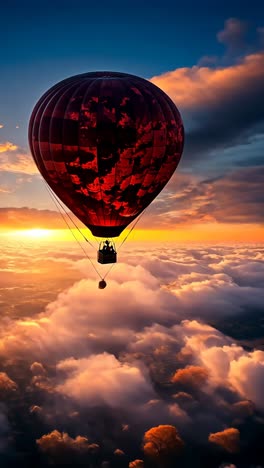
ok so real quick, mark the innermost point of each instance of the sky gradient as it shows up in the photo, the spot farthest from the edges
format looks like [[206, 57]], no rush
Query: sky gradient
[[210, 63]]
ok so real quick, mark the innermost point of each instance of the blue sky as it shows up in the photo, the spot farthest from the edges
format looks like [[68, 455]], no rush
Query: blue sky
[[45, 42]]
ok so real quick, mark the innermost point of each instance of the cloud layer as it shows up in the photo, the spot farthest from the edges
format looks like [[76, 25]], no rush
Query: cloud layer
[[146, 360]]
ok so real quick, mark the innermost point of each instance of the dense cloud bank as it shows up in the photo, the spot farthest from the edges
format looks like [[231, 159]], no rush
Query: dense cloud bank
[[173, 341]]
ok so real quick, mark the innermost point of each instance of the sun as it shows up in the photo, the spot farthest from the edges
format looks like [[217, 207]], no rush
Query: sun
[[36, 233]]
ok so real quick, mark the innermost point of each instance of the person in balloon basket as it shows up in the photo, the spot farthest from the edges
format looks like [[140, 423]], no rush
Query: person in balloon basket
[[107, 248]]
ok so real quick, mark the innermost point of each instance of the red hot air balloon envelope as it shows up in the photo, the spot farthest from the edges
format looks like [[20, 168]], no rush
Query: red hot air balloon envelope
[[106, 143]]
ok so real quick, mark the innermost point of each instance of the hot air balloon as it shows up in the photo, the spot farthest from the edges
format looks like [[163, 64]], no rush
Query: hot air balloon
[[106, 143]]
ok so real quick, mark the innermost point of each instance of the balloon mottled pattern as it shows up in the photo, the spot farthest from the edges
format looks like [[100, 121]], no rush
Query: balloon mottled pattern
[[106, 143]]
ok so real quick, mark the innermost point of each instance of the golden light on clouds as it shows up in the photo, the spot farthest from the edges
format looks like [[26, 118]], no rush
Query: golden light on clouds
[[191, 87], [214, 232], [207, 232], [7, 146], [34, 233], [17, 163]]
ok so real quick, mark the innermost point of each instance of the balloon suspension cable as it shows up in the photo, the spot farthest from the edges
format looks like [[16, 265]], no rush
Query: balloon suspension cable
[[69, 216], [77, 240], [128, 234]]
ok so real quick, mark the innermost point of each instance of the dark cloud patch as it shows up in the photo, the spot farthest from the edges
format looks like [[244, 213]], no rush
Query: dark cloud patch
[[61, 449], [233, 35], [236, 198], [4, 430], [232, 118], [260, 32]]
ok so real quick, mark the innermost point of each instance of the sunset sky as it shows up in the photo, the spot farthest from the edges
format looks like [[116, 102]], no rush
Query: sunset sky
[[164, 368], [210, 64]]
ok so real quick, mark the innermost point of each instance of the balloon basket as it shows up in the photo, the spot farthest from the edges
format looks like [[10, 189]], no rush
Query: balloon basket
[[106, 253], [104, 258]]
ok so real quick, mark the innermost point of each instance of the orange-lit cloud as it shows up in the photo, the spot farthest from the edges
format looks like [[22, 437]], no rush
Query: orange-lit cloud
[[5, 190], [37, 368], [7, 147], [244, 408], [194, 376], [62, 449], [221, 111], [26, 218], [14, 160], [118, 452], [7, 385], [58, 443], [136, 464], [228, 439], [162, 442], [203, 86]]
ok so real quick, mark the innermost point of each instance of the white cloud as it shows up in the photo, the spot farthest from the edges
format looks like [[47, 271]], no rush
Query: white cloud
[[102, 379]]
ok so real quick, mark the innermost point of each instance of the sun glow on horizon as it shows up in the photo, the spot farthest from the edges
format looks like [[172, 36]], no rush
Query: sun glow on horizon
[[35, 233], [209, 232]]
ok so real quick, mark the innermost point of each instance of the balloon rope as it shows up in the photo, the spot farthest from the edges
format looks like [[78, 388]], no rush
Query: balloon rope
[[128, 234], [131, 229], [77, 240], [69, 216]]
